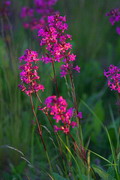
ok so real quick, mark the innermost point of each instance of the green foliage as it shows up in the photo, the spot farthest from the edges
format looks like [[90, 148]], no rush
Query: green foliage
[[58, 177], [99, 111], [104, 175]]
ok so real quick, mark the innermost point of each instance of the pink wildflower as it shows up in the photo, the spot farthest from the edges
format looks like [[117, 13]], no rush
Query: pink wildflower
[[79, 115], [113, 76], [44, 6], [27, 12], [54, 38], [118, 30], [57, 107], [42, 9], [29, 74], [114, 17], [77, 68]]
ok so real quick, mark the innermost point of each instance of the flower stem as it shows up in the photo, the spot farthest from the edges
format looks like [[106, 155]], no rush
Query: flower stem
[[76, 107], [37, 122], [73, 92], [55, 80]]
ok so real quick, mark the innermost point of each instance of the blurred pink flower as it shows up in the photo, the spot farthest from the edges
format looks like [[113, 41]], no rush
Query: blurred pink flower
[[113, 76], [114, 17], [35, 17]]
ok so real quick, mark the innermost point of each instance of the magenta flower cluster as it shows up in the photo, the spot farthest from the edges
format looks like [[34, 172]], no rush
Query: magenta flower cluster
[[29, 75], [57, 107], [54, 38], [113, 76], [114, 17], [42, 8]]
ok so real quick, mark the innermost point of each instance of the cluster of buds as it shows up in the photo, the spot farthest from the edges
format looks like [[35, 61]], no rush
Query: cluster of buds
[[114, 17], [57, 107], [113, 76], [29, 75], [42, 9], [53, 36]]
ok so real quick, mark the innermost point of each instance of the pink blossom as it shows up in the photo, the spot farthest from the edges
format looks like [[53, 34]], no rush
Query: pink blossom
[[118, 30], [54, 38], [57, 108], [29, 75], [114, 17], [113, 76], [27, 12], [77, 68], [73, 124], [35, 17], [79, 115]]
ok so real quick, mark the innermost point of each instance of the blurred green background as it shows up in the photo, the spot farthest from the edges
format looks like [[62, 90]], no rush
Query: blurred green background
[[96, 45]]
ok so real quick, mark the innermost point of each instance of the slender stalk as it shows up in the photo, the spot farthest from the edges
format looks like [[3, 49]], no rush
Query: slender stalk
[[55, 80], [37, 122], [39, 99], [49, 161], [32, 145], [73, 92], [76, 107], [40, 130], [68, 88], [88, 161], [80, 149]]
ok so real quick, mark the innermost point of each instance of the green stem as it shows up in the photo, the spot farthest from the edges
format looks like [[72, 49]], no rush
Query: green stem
[[49, 161], [37, 122], [79, 131], [32, 144], [55, 80], [73, 92]]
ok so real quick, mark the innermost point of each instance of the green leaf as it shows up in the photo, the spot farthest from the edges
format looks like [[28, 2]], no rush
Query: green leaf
[[58, 177], [104, 175], [111, 171], [86, 178], [99, 111]]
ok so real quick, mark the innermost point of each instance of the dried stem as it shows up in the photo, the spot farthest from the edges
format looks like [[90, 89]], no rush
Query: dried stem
[[81, 150], [73, 92]]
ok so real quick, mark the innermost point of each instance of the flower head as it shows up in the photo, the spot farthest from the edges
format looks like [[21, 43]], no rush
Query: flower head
[[57, 107], [29, 75], [54, 38], [113, 76], [114, 17], [42, 9], [44, 6], [26, 11]]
